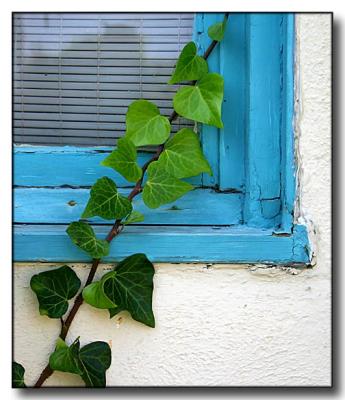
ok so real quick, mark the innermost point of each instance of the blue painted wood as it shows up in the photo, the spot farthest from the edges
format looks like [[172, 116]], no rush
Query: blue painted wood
[[267, 144], [263, 201], [167, 244], [201, 206], [288, 160], [67, 165], [209, 134], [231, 138]]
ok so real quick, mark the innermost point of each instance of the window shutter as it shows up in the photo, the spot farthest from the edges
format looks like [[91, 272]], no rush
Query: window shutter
[[76, 74]]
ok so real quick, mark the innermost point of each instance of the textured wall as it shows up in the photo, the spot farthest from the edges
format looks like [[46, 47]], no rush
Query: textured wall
[[224, 324]]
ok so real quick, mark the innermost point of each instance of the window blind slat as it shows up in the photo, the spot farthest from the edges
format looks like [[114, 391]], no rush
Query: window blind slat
[[76, 74]]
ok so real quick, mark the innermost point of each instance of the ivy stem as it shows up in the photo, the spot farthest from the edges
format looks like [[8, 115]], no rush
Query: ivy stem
[[114, 231]]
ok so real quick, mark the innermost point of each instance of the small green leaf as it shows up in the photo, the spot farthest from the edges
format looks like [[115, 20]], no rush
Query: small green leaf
[[190, 66], [145, 125], [90, 362], [131, 288], [106, 202], [84, 237], [202, 102], [94, 295], [65, 358], [133, 217], [53, 290], [182, 156], [217, 30], [95, 359], [161, 187], [124, 160], [18, 372]]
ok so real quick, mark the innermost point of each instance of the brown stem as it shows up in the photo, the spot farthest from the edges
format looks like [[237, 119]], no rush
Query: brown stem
[[114, 231]]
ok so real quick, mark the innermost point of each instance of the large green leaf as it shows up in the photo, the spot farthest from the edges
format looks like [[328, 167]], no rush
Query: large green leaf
[[18, 372], [65, 358], [84, 237], [162, 187], [106, 202], [95, 359], [90, 362], [182, 156], [124, 160], [94, 294], [133, 217], [129, 287], [217, 30], [132, 288], [190, 66], [202, 102], [144, 124], [53, 290]]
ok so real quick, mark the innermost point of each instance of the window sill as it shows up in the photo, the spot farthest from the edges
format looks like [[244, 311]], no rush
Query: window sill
[[237, 244]]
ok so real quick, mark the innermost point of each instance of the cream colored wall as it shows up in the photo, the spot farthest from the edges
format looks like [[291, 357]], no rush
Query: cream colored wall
[[225, 324]]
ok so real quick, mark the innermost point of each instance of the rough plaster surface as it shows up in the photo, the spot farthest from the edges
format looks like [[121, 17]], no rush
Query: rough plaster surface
[[228, 325]]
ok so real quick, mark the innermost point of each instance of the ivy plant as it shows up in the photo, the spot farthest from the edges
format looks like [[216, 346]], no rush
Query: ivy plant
[[129, 286]]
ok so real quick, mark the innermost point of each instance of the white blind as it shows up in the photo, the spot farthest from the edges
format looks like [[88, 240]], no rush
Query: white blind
[[76, 74]]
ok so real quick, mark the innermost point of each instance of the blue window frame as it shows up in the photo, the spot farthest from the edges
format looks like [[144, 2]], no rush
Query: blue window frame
[[241, 214]]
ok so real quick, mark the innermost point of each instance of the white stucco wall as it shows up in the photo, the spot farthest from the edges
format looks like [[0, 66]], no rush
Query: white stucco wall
[[231, 325]]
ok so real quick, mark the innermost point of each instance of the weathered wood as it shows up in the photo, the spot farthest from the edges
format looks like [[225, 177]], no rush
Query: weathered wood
[[56, 206], [67, 165], [167, 244]]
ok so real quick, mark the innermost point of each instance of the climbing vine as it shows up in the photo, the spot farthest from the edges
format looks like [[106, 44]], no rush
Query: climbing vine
[[129, 286]]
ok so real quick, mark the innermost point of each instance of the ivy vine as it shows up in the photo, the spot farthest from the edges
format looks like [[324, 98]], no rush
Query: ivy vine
[[129, 286]]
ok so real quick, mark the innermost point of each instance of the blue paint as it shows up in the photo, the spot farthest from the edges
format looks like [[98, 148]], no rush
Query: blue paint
[[254, 153], [41, 205], [67, 165], [288, 159], [209, 134], [263, 120], [166, 244], [232, 137]]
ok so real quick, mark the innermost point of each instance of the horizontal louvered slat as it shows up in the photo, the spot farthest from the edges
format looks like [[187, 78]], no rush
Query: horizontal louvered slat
[[106, 55], [76, 74], [103, 47], [78, 23], [81, 101], [107, 30], [66, 40], [103, 16], [102, 86], [102, 94], [40, 77]]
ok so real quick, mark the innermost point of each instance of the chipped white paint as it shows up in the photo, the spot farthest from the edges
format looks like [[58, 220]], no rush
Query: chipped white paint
[[223, 324]]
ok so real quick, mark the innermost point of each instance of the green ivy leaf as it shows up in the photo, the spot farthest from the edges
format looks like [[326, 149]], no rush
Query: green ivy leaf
[[18, 372], [53, 290], [190, 66], [202, 102], [161, 187], [145, 125], [131, 288], [94, 295], [90, 362], [182, 156], [95, 359], [106, 202], [217, 30], [124, 160], [84, 237], [65, 358], [133, 217]]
